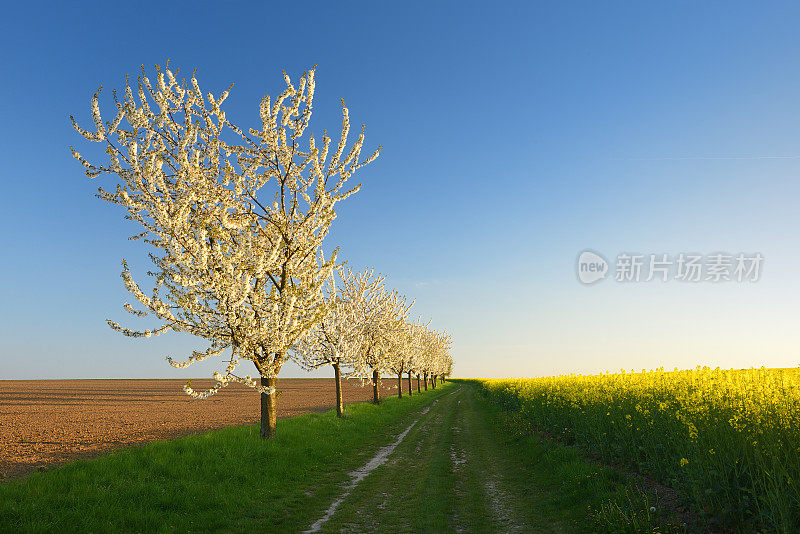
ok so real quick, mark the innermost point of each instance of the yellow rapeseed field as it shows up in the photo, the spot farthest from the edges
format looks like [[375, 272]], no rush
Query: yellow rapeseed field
[[728, 440]]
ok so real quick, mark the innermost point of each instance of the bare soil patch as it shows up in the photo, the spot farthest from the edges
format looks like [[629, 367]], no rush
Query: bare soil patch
[[45, 422]]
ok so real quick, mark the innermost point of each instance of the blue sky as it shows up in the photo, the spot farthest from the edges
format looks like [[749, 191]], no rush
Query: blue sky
[[514, 138]]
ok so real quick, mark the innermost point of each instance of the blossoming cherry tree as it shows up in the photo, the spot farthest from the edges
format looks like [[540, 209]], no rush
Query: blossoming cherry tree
[[236, 229]]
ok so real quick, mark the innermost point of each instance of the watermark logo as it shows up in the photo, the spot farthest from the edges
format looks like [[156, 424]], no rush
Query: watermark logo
[[592, 267], [683, 267]]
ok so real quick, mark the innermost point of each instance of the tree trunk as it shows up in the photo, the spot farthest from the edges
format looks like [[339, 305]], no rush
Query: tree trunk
[[419, 386], [425, 376], [400, 385], [376, 396], [410, 391], [269, 408], [337, 374]]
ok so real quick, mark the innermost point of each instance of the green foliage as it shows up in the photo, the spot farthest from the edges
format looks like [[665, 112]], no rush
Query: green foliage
[[632, 511]]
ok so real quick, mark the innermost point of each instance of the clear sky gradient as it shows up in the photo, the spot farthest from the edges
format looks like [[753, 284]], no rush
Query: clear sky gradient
[[515, 136]]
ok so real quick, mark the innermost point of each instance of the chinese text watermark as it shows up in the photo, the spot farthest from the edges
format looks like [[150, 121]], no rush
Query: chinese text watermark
[[683, 267]]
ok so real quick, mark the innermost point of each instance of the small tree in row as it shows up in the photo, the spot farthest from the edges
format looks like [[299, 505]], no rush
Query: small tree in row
[[400, 356], [383, 337], [338, 338]]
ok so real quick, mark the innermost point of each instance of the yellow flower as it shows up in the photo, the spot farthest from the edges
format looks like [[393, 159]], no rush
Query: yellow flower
[[684, 462]]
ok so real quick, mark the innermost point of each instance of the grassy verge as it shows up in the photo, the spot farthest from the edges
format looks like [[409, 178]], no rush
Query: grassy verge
[[227, 480], [585, 495], [726, 440]]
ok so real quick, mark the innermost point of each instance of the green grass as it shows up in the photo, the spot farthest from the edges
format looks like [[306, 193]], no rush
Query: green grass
[[471, 466], [468, 465], [227, 480]]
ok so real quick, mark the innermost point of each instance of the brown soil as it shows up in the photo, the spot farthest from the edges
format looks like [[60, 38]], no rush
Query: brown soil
[[45, 422]]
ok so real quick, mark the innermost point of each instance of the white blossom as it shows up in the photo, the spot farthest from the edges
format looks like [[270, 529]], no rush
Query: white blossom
[[236, 229]]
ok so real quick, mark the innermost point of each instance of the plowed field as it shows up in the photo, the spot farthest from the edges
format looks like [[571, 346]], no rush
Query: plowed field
[[44, 422]]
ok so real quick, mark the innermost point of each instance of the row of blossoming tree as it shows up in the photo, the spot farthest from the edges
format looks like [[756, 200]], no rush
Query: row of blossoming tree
[[236, 220], [366, 333]]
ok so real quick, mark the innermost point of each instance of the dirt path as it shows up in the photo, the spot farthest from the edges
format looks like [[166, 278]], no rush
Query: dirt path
[[449, 474]]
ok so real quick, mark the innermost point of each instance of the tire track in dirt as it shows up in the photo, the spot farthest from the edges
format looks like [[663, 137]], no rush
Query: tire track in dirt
[[385, 501], [361, 473]]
